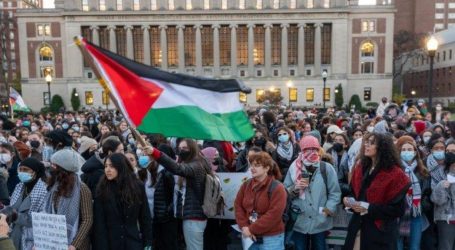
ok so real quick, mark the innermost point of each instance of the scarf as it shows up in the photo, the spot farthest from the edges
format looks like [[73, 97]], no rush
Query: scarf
[[414, 194], [68, 206], [285, 150], [385, 186], [436, 171], [308, 159], [337, 164]]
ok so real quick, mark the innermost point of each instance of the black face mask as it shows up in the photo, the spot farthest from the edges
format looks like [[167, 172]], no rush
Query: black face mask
[[338, 147], [260, 142], [184, 154], [217, 162], [87, 154], [450, 159], [35, 144]]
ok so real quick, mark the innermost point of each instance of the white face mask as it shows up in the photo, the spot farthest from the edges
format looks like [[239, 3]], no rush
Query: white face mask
[[370, 129], [438, 108], [34, 128], [5, 158]]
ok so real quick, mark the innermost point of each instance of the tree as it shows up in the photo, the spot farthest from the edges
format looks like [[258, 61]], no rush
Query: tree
[[339, 96], [75, 100], [355, 100], [57, 103]]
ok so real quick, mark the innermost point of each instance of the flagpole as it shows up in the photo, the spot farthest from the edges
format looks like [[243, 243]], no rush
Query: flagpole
[[103, 84]]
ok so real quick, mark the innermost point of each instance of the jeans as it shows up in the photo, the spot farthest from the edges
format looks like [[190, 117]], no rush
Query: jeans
[[275, 242], [304, 241], [193, 231], [415, 235]]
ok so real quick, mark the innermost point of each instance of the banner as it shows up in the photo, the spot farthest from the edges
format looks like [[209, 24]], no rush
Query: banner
[[230, 184], [49, 231]]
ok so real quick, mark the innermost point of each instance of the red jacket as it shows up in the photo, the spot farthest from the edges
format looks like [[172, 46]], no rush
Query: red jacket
[[269, 210]]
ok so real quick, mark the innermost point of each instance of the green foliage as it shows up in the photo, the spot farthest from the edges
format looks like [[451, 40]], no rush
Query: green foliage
[[355, 100], [270, 97], [16, 83], [75, 100], [57, 103], [339, 96], [398, 98], [451, 108]]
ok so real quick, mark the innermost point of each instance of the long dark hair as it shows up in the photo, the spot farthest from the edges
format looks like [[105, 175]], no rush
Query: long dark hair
[[193, 148], [109, 146], [386, 152], [65, 180], [126, 183]]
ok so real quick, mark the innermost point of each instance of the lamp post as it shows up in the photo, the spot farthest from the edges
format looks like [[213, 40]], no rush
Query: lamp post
[[289, 84], [432, 46], [48, 81], [324, 78]]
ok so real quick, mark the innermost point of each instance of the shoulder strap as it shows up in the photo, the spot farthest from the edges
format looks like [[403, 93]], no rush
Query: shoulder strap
[[272, 187], [324, 177]]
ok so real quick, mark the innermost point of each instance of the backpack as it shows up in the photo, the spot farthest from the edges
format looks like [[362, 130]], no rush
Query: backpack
[[213, 203]]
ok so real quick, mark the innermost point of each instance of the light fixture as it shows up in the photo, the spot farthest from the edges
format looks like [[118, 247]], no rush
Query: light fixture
[[48, 78], [432, 44], [289, 84]]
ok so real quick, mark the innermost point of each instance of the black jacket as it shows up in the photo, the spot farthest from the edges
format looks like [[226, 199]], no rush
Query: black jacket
[[120, 227], [284, 163], [194, 173], [163, 201], [93, 170]]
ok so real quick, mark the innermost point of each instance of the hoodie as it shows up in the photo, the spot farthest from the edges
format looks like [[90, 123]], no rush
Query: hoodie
[[93, 170]]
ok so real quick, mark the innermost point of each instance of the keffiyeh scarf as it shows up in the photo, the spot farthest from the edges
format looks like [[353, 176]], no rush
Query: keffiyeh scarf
[[436, 171], [285, 150], [414, 195]]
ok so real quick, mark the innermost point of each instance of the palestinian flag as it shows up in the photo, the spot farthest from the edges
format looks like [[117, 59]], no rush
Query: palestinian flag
[[16, 101], [175, 105]]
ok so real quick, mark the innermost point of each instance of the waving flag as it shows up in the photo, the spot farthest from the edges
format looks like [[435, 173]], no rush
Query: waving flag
[[177, 105], [16, 101]]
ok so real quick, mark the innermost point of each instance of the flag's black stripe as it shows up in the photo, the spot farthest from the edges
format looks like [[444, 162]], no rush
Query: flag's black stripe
[[142, 70]]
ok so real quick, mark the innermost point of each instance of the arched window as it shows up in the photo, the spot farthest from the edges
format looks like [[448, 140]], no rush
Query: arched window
[[259, 4], [153, 5], [292, 4], [224, 5], [189, 5], [242, 4], [367, 49], [367, 57], [45, 54], [276, 4]]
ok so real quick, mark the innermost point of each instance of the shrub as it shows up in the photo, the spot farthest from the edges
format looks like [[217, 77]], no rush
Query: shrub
[[75, 100], [57, 103]]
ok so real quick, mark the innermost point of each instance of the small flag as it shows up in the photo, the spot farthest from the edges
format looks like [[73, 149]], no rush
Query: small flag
[[176, 105], [16, 101]]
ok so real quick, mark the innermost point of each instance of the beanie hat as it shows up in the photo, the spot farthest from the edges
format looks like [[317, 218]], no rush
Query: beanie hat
[[35, 165], [209, 153], [406, 139], [315, 133], [309, 142], [60, 137], [23, 150], [419, 126], [86, 143], [68, 159]]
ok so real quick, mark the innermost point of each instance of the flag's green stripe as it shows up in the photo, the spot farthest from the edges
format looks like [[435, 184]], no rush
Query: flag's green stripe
[[19, 108], [193, 122]]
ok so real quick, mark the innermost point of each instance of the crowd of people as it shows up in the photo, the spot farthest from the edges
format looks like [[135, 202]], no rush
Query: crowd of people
[[392, 170]]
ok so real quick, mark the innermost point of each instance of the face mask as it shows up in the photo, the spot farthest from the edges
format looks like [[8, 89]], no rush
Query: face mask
[[76, 129], [5, 158], [260, 142], [35, 144], [24, 177], [3, 139], [131, 141], [407, 156], [143, 161], [65, 126], [370, 129], [91, 121], [438, 108], [283, 138], [450, 159], [34, 128], [78, 141], [138, 152], [311, 158], [338, 147], [426, 139], [26, 123], [184, 154], [438, 155]]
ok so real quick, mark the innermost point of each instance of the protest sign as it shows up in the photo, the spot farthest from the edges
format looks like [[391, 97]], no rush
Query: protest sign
[[49, 231], [230, 184]]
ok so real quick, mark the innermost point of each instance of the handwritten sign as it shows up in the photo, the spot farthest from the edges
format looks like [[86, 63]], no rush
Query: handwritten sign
[[49, 231], [230, 184]]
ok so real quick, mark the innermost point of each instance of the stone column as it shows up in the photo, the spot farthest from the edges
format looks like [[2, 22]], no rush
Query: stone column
[[250, 49], [317, 49], [163, 45], [216, 50], [112, 39], [284, 49], [301, 49], [95, 35], [181, 47], [129, 42], [147, 59], [233, 49], [268, 50], [198, 50]]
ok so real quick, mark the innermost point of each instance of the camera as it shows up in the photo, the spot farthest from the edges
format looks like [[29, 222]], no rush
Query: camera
[[11, 214]]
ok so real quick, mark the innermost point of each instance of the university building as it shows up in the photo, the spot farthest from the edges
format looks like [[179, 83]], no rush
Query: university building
[[271, 45]]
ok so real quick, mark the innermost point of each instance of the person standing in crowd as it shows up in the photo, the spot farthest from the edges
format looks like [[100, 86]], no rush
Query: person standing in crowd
[[332, 131], [443, 197], [413, 222], [28, 197], [9, 161], [260, 203], [121, 213], [88, 147], [286, 151], [379, 187], [68, 196], [382, 106], [314, 187], [192, 169], [339, 153], [36, 143], [435, 161]]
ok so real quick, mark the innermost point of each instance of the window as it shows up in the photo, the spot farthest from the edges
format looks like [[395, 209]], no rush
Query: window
[[451, 5], [102, 5], [136, 5], [293, 94], [326, 46], [450, 54], [242, 97], [85, 5], [368, 26], [309, 44], [189, 5], [224, 4], [190, 46], [242, 45], [242, 4], [225, 45], [308, 72], [120, 35], [259, 4], [327, 94], [46, 70], [439, 5], [259, 73], [292, 4], [259, 95], [171, 4], [259, 48], [276, 45], [367, 58], [293, 36], [155, 46], [206, 4], [367, 94], [309, 95], [88, 97], [153, 5], [45, 54], [326, 3], [276, 72], [292, 72], [172, 46], [44, 29], [451, 15], [439, 15], [444, 55], [119, 4], [105, 98], [104, 37], [276, 4], [138, 42], [310, 4], [207, 45]]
